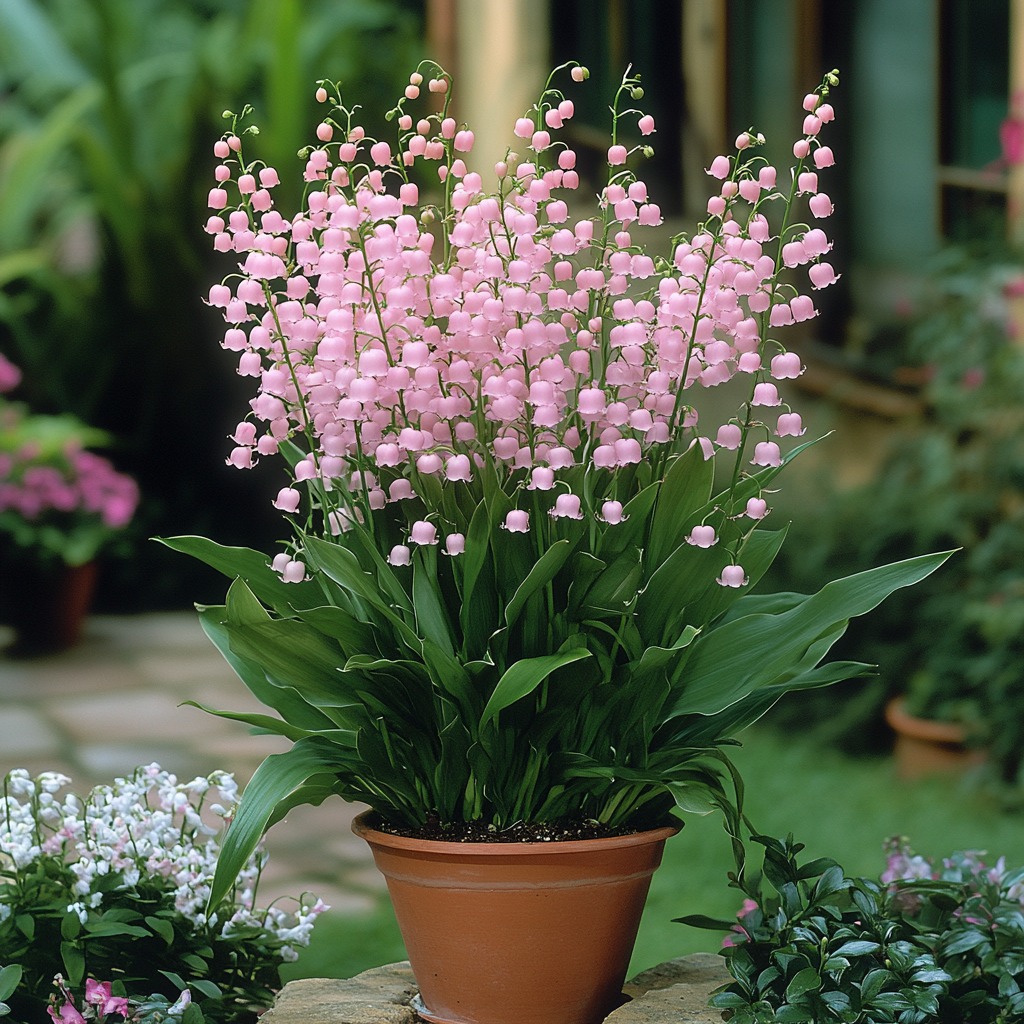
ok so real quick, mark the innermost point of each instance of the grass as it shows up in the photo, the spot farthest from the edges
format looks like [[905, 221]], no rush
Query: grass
[[838, 807]]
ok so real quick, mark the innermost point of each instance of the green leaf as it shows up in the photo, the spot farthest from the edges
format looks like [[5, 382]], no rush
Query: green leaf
[[207, 988], [451, 677], [431, 616], [292, 653], [105, 927], [857, 947], [10, 976], [251, 566], [702, 921], [685, 489], [277, 777], [807, 980], [161, 927], [70, 925], [524, 676], [542, 573], [748, 653], [192, 1014], [342, 566], [286, 701], [73, 959]]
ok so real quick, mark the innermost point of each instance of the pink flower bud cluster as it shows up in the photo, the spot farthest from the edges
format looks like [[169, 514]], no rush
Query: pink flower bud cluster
[[395, 337]]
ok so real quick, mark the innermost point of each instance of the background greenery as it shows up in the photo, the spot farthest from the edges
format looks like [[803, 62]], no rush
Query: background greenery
[[110, 109]]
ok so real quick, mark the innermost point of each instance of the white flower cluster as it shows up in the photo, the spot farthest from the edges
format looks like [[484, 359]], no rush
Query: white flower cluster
[[145, 825]]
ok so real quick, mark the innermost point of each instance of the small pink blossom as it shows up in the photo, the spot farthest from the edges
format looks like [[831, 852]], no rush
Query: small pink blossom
[[766, 453], [567, 506], [454, 544], [732, 576], [702, 537], [611, 513], [400, 554], [756, 508], [423, 532], [517, 521]]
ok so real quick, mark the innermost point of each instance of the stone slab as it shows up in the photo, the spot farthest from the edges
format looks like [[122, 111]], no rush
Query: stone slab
[[378, 996], [672, 993]]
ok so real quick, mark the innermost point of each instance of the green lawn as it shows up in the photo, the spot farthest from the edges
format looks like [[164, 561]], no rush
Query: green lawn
[[838, 807]]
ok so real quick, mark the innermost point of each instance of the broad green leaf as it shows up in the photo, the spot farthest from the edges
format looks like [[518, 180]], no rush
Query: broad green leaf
[[686, 488], [656, 658], [477, 551], [353, 636], [807, 980], [162, 927], [524, 677], [542, 573], [253, 567], [431, 615], [857, 947], [294, 654], [286, 701], [756, 558], [615, 588], [746, 654], [267, 724], [104, 927], [271, 784], [451, 677], [386, 578], [73, 959], [10, 976], [343, 567]]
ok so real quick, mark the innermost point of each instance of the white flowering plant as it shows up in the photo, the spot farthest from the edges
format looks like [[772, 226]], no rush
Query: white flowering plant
[[113, 890], [517, 588]]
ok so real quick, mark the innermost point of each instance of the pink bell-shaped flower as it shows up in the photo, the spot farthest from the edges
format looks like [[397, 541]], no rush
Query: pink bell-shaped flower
[[400, 555], [732, 576], [517, 521], [423, 532], [702, 537]]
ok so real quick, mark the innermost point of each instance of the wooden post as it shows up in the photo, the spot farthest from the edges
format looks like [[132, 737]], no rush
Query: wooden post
[[1015, 172], [705, 88], [502, 58]]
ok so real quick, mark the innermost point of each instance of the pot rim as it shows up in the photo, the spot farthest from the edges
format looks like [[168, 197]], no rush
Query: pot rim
[[902, 721], [443, 846]]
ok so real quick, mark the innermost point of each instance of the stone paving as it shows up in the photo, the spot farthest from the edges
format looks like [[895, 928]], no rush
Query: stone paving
[[114, 702]]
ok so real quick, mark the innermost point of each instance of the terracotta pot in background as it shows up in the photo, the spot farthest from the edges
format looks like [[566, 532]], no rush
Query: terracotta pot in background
[[925, 747], [50, 606], [518, 933]]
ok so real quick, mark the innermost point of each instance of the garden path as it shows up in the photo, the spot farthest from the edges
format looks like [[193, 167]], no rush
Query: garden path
[[114, 702]]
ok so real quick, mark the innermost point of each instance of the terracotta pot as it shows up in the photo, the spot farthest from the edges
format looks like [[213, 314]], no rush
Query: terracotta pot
[[518, 933], [50, 608], [925, 747]]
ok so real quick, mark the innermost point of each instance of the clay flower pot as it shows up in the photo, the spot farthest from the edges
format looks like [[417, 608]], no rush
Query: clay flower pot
[[49, 608], [518, 933], [925, 747]]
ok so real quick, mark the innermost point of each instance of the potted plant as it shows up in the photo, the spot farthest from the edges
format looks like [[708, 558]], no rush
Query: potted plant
[[103, 903], [60, 506], [514, 615], [924, 942]]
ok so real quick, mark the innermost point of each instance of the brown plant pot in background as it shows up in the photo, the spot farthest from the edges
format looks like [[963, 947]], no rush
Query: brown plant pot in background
[[924, 747], [49, 608], [518, 933]]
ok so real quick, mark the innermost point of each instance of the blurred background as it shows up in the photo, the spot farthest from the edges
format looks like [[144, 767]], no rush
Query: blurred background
[[108, 112]]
